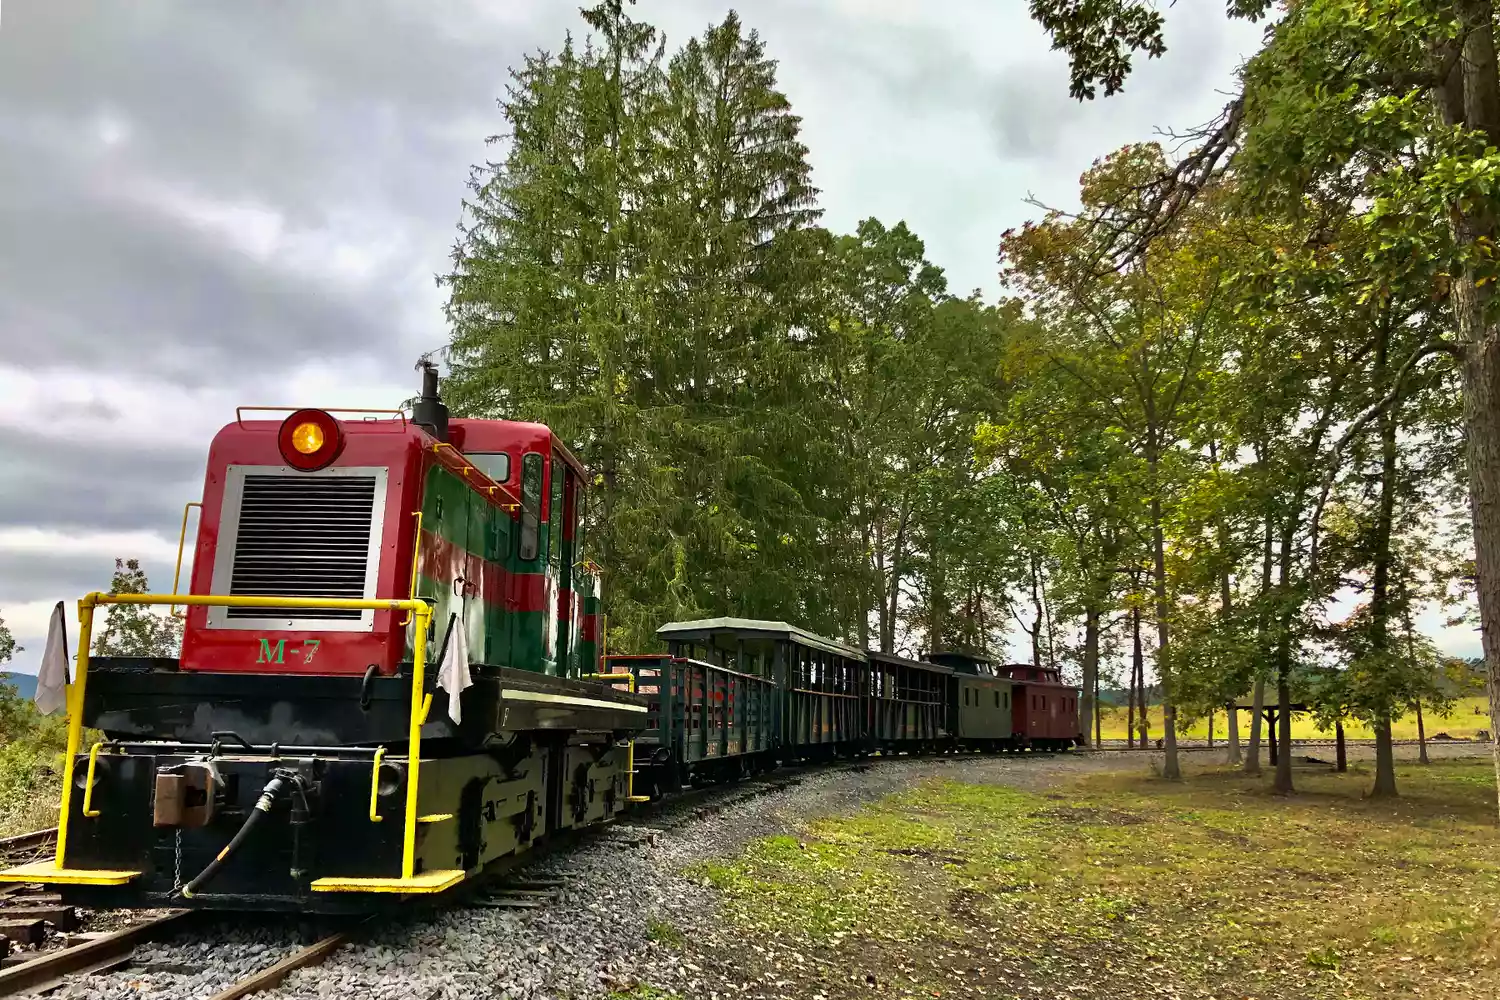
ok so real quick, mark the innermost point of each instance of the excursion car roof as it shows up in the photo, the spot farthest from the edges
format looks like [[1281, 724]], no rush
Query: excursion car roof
[[749, 628]]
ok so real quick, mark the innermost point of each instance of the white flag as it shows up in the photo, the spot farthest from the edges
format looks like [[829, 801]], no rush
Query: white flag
[[453, 672], [52, 679]]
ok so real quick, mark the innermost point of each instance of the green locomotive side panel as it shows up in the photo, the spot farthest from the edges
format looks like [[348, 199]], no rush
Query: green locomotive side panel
[[471, 559]]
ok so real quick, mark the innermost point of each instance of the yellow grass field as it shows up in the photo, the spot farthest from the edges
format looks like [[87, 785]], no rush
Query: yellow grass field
[[1468, 717]]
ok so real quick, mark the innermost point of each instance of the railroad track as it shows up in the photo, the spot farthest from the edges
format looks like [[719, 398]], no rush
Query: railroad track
[[35, 842], [55, 953]]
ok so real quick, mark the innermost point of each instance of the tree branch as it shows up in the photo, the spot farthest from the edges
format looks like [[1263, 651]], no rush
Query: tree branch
[[1398, 387]]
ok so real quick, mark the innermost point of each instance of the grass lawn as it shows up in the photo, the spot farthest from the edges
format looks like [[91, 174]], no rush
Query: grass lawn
[[1112, 883], [1469, 716]]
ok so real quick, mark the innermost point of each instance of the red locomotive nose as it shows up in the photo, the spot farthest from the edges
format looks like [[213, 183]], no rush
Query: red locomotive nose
[[310, 439]]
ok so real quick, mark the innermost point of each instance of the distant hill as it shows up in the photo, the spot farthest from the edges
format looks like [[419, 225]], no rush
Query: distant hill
[[25, 684]]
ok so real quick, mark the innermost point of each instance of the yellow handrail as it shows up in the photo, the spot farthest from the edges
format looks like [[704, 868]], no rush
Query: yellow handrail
[[416, 552], [630, 795], [88, 788], [181, 541], [420, 610], [375, 816], [239, 411], [419, 708], [467, 467]]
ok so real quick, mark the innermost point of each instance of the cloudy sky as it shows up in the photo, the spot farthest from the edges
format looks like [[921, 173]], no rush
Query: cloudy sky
[[205, 204]]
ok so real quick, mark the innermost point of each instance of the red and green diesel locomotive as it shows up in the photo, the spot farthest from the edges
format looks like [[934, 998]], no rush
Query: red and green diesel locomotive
[[333, 723]]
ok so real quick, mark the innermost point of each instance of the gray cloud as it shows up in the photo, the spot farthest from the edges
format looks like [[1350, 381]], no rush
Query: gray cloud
[[33, 576], [76, 486], [335, 120]]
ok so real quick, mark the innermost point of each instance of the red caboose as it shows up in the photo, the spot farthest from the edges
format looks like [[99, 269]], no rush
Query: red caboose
[[1044, 710]]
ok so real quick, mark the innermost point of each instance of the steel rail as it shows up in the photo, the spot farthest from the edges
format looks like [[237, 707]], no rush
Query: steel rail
[[48, 970], [32, 840], [267, 978]]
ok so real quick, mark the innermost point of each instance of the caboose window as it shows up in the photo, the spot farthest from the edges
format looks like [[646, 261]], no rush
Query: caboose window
[[496, 466], [531, 504], [997, 699]]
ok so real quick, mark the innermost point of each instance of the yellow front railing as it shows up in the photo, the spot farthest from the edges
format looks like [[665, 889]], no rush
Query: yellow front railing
[[420, 612]]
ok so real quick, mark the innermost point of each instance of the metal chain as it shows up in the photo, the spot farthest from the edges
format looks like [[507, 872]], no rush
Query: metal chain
[[177, 863]]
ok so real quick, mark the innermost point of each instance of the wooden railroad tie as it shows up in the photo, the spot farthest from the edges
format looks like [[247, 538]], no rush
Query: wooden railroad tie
[[24, 931], [64, 918]]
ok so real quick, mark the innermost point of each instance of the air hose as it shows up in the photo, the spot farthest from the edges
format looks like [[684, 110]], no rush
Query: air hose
[[268, 796]]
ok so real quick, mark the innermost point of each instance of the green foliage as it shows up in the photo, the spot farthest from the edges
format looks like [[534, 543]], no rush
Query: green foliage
[[664, 932], [31, 746], [8, 647], [772, 412], [135, 629], [1100, 36]]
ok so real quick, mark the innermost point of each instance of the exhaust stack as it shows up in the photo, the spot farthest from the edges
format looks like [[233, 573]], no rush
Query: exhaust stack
[[430, 411]]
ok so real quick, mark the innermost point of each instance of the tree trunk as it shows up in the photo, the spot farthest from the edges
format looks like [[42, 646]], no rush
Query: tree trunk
[[1226, 610], [1090, 674], [1136, 696], [866, 598], [1047, 614], [1036, 625], [1098, 713], [1262, 643], [1274, 745], [1472, 92], [1169, 768], [1234, 733], [1380, 582], [1257, 707], [1421, 736], [1283, 783], [897, 568], [1385, 760], [878, 555], [936, 584], [1341, 757]]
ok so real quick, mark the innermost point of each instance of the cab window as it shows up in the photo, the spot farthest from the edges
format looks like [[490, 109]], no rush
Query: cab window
[[496, 466], [581, 510], [531, 504], [555, 515]]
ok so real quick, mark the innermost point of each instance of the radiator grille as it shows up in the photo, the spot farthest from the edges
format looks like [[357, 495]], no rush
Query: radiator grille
[[303, 536]]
